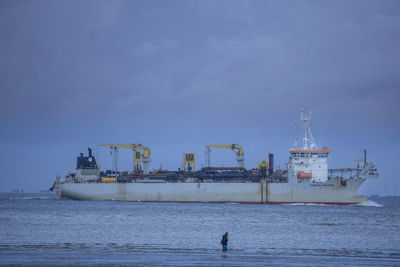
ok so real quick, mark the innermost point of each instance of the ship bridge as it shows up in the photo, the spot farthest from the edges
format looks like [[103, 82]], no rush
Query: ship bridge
[[306, 153]]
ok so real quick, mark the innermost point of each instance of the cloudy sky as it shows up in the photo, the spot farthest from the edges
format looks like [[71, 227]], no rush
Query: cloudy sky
[[176, 75]]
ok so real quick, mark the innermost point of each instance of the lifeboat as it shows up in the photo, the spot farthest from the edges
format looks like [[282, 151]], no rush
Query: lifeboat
[[304, 175]]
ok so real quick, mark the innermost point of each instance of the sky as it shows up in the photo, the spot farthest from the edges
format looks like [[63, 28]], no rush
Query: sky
[[177, 75]]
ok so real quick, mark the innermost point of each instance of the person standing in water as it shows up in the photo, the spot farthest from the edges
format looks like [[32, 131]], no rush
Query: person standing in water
[[224, 242]]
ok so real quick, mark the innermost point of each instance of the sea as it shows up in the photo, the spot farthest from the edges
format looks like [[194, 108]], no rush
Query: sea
[[42, 230]]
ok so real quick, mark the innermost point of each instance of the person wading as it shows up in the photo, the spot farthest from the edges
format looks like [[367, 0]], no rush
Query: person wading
[[224, 242]]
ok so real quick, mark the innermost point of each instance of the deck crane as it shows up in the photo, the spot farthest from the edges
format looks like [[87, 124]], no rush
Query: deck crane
[[138, 157], [234, 147]]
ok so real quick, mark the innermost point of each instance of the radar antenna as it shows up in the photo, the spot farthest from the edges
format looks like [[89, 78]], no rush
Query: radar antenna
[[308, 140]]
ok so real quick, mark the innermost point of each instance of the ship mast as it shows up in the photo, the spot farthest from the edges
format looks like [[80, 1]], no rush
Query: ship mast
[[308, 140]]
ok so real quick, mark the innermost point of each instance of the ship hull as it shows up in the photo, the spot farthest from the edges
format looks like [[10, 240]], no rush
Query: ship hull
[[254, 193]]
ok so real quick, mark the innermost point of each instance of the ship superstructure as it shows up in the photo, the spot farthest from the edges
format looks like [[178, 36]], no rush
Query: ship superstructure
[[306, 179], [308, 164], [86, 167]]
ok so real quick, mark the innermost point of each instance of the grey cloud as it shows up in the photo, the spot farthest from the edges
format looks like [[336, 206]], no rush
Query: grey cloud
[[146, 49], [184, 72], [150, 48]]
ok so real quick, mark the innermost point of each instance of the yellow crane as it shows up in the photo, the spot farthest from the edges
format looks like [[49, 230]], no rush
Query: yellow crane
[[138, 157], [188, 158], [234, 147]]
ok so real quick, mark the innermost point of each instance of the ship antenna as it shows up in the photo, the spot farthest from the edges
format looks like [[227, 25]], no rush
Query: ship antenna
[[295, 138], [308, 140]]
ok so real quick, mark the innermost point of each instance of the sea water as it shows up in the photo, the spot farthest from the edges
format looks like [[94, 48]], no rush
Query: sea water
[[39, 229]]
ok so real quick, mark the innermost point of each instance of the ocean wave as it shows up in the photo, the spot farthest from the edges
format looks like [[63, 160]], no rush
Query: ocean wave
[[39, 198], [328, 224], [163, 248], [28, 197], [368, 203]]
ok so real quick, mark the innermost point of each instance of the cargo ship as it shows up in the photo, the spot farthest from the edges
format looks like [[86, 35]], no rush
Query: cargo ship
[[306, 178]]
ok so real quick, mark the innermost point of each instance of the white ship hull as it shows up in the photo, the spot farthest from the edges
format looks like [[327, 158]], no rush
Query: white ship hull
[[257, 193]]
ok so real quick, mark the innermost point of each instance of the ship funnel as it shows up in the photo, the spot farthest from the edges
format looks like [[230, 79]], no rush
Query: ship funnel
[[271, 163]]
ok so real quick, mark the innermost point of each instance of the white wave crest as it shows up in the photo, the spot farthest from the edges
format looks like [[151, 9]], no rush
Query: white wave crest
[[369, 203]]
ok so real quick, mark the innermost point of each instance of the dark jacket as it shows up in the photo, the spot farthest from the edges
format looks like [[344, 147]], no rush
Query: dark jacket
[[224, 240]]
